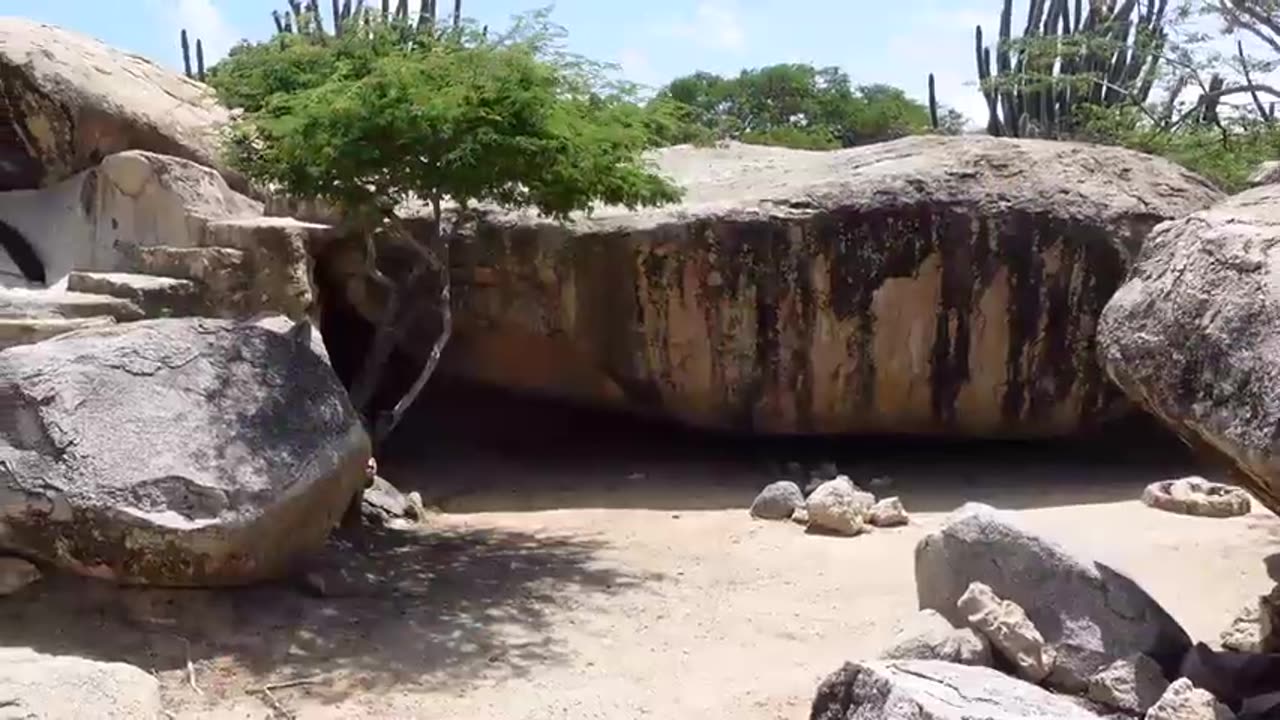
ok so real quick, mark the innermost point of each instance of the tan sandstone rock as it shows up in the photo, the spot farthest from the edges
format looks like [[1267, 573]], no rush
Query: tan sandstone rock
[[68, 100], [929, 285], [838, 507], [1011, 632]]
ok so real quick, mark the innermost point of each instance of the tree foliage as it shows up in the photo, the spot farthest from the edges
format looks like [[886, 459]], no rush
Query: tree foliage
[[390, 112], [794, 105]]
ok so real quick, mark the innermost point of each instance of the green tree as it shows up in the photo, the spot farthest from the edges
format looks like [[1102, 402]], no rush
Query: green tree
[[794, 105], [395, 112]]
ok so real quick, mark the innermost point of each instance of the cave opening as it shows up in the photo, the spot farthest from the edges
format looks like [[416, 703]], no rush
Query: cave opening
[[470, 447]]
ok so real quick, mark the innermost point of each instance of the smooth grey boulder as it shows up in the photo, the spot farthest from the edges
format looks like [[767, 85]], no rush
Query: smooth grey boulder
[[183, 452], [1089, 613], [933, 690], [63, 687], [777, 501]]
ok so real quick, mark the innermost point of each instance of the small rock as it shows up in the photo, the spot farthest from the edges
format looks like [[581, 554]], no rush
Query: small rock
[[417, 511], [800, 516], [824, 471], [1010, 631], [837, 506], [778, 501], [382, 501], [881, 482], [1197, 496], [1184, 701], [889, 512], [1256, 629], [1131, 685], [929, 636], [63, 687], [15, 574]]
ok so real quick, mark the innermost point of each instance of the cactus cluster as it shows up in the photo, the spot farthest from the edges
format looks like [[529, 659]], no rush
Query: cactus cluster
[[1103, 55], [305, 17]]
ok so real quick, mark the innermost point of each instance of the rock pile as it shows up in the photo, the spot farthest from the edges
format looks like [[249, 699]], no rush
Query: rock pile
[[832, 506], [989, 645]]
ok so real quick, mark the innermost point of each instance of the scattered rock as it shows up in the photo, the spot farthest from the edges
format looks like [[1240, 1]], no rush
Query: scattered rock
[[1257, 628], [838, 507], [1197, 496], [1195, 319], [778, 501], [929, 636], [1011, 633], [933, 690], [889, 512], [1097, 615], [800, 516], [15, 574], [206, 452], [1131, 685], [60, 687], [382, 503], [417, 511], [1184, 701]]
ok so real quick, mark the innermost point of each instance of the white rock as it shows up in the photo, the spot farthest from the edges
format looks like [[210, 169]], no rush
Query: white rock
[[889, 512], [1010, 631], [1184, 701], [57, 687], [838, 507]]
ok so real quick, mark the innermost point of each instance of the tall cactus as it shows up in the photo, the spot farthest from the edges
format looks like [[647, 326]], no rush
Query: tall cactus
[[305, 17], [1106, 55], [186, 52], [933, 102]]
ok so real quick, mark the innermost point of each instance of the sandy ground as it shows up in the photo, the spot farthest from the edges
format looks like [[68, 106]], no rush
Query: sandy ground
[[625, 587]]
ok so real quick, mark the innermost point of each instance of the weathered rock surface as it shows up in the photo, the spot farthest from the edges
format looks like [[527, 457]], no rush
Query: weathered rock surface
[[175, 452], [62, 687], [97, 220], [931, 690], [1010, 631], [1132, 685], [1098, 615], [156, 296], [929, 636], [1256, 629], [778, 501], [889, 512], [15, 574], [1184, 701], [839, 507], [1197, 496], [928, 285], [1193, 336], [68, 100]]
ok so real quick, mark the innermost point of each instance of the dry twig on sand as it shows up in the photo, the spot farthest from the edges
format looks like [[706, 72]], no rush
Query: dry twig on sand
[[276, 707]]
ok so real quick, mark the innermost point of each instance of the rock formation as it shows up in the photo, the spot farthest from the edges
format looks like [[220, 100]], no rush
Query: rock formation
[[174, 452], [929, 285], [67, 101], [1193, 336]]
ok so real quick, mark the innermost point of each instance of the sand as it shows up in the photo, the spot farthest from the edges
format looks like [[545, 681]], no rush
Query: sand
[[636, 590]]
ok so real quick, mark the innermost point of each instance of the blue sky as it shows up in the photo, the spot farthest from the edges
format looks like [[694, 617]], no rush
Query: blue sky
[[892, 41]]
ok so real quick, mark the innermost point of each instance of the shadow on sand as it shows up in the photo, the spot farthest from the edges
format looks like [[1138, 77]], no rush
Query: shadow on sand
[[429, 609]]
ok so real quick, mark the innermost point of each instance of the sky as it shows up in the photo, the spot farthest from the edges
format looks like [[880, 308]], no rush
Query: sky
[[876, 41]]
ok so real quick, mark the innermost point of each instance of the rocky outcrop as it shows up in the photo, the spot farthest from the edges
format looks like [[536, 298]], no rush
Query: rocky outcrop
[[67, 101], [175, 452], [929, 285], [62, 687], [932, 690], [1193, 336], [1097, 614]]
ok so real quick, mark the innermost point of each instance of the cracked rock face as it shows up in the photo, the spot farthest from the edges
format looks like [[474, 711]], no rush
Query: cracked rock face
[[941, 286], [68, 100], [174, 452]]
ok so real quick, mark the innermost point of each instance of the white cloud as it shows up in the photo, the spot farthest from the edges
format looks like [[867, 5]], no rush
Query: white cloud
[[204, 21], [716, 25]]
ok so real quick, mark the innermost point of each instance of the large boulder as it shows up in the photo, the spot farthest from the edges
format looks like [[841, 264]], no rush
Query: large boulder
[[1193, 336], [175, 452], [1097, 614], [63, 687], [929, 285], [934, 690], [68, 100]]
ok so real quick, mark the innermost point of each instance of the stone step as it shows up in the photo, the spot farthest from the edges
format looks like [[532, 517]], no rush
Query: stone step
[[55, 304], [24, 331], [156, 295]]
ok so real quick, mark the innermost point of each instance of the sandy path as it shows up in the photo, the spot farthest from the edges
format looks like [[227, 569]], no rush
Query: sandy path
[[621, 604]]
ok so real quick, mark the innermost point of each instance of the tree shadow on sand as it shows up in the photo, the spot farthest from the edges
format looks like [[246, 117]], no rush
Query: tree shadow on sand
[[424, 608]]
